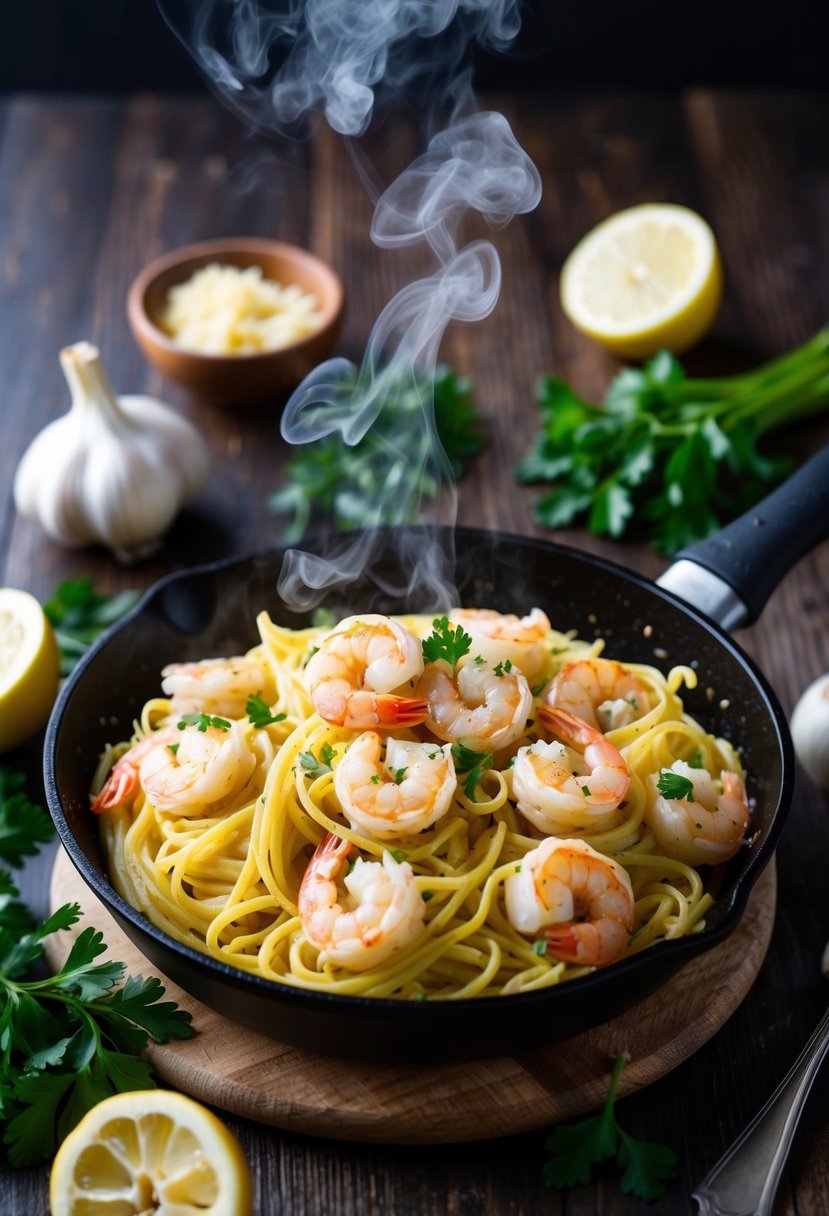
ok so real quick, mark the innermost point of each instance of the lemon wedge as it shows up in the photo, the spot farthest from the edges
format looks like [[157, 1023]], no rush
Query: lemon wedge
[[29, 667], [646, 278], [148, 1151]]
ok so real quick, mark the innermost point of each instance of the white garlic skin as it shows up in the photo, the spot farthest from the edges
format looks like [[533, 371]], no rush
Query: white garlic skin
[[114, 471], [810, 731]]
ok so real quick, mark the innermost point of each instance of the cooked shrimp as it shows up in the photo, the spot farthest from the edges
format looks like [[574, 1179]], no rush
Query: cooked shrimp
[[555, 784], [122, 782], [605, 694], [406, 793], [353, 676], [380, 913], [179, 769], [703, 831], [217, 686], [582, 900], [505, 637], [487, 710]]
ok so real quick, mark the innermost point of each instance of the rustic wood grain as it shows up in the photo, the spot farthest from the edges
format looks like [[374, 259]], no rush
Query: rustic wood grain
[[93, 187]]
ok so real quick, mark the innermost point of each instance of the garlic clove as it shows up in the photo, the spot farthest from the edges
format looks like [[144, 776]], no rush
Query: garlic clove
[[113, 470], [810, 731]]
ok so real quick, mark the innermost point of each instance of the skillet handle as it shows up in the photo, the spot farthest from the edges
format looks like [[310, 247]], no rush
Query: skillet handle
[[731, 575]]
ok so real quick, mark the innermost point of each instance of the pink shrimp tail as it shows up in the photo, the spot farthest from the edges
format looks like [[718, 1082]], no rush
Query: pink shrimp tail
[[330, 853], [400, 711], [119, 786], [566, 725], [584, 943]]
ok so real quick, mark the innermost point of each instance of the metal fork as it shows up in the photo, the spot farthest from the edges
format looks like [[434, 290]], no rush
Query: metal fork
[[744, 1181]]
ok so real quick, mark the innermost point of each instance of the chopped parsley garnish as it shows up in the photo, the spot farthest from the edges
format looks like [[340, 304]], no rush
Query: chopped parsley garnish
[[446, 641], [585, 789], [538, 689], [398, 855], [540, 948], [674, 785], [375, 780], [259, 713], [316, 768], [474, 764], [696, 759], [203, 721], [173, 747], [502, 669], [399, 774], [576, 1147]]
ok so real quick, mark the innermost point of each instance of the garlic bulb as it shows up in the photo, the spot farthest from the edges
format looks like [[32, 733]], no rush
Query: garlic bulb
[[810, 731], [113, 470]]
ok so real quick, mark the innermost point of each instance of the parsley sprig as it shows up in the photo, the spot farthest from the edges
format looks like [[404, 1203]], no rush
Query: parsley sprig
[[446, 641], [70, 1039], [313, 767], [24, 826], [259, 712], [73, 1038], [674, 785], [383, 478], [474, 764], [576, 1147], [79, 614], [676, 453]]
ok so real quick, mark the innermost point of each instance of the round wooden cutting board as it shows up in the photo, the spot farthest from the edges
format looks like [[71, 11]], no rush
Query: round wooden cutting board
[[259, 1078]]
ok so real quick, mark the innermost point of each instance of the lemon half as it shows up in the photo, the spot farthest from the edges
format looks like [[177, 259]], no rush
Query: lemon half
[[29, 667], [646, 278], [150, 1151]]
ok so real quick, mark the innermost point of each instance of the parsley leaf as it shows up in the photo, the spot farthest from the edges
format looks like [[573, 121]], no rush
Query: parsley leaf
[[79, 614], [71, 1039], [203, 721], [313, 767], [23, 824], [674, 785], [259, 712], [474, 764], [575, 1148], [677, 454], [384, 476], [446, 641]]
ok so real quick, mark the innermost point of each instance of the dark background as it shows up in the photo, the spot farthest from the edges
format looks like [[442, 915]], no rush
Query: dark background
[[587, 44]]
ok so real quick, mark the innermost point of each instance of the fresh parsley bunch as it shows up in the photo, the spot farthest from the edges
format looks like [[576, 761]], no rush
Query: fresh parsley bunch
[[67, 1040], [384, 477], [678, 455], [576, 1147]]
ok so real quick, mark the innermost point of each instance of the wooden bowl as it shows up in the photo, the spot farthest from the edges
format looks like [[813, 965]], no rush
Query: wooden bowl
[[244, 379]]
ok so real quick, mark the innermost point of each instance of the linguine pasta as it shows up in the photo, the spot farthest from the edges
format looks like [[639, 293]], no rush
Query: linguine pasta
[[225, 877]]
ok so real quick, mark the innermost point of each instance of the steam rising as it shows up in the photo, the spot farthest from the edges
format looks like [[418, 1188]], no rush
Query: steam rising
[[279, 61], [476, 163], [283, 61]]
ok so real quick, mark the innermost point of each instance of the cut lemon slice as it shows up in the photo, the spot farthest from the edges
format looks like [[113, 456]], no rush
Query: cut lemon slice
[[150, 1151], [29, 667], [646, 278]]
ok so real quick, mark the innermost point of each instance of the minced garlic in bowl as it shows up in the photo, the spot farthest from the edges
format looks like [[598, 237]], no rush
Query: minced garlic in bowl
[[224, 310]]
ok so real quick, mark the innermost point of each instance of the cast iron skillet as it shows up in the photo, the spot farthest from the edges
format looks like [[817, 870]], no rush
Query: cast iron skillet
[[211, 610]]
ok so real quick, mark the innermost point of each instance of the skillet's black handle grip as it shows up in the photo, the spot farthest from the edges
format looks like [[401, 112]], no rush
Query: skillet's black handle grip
[[754, 552]]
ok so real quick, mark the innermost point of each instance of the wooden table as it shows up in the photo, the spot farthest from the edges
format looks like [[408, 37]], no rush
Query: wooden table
[[93, 188]]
